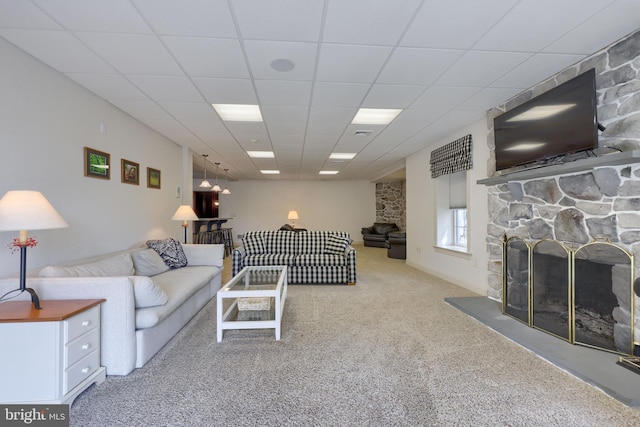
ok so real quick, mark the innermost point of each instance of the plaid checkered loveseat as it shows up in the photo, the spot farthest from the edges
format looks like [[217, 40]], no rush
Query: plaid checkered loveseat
[[312, 257]]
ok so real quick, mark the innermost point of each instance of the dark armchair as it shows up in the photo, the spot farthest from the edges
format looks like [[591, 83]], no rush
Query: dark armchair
[[377, 234]]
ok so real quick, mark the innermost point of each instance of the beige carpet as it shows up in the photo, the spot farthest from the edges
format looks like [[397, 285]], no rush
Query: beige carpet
[[386, 352]]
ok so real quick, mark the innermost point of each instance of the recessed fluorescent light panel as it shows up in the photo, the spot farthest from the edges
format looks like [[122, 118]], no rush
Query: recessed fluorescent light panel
[[342, 156], [238, 112], [269, 172], [541, 112], [261, 154], [328, 172], [375, 116]]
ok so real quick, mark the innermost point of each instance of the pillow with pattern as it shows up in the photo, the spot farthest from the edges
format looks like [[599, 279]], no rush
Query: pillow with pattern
[[254, 245], [336, 245], [170, 250]]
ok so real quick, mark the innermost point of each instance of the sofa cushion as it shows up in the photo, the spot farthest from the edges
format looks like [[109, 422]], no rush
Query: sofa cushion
[[253, 244], [336, 245], [179, 285], [118, 265], [384, 228], [146, 293], [281, 242], [170, 250], [270, 259], [147, 262], [313, 260]]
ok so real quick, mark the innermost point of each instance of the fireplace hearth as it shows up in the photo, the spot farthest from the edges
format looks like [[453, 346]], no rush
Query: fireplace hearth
[[582, 295]]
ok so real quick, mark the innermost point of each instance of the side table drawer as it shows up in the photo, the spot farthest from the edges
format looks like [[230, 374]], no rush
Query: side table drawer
[[81, 323], [81, 346], [76, 373]]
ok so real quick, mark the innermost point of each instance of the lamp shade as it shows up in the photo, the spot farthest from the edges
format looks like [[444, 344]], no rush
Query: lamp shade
[[185, 213], [293, 215], [28, 210]]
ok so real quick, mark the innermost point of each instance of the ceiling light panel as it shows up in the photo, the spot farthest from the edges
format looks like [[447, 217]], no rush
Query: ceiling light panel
[[238, 112], [269, 172], [375, 116], [261, 154], [328, 172], [342, 156]]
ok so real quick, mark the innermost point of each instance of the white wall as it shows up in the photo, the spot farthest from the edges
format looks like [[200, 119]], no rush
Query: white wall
[[469, 271], [321, 205], [46, 120]]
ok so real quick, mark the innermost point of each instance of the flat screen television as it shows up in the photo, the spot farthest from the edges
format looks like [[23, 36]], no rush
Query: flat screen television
[[560, 121]]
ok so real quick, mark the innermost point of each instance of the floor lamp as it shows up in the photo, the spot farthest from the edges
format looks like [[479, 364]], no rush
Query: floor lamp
[[23, 211], [185, 213]]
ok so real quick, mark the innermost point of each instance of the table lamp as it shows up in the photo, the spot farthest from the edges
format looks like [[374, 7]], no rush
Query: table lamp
[[23, 211], [185, 213], [293, 215]]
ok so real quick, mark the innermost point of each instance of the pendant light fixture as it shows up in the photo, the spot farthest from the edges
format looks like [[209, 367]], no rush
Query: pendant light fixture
[[216, 187], [205, 183], [226, 183]]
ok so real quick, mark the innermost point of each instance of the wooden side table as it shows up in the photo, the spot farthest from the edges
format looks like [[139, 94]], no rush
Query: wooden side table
[[49, 355]]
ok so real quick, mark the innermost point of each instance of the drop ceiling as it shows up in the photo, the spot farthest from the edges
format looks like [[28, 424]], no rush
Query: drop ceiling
[[443, 62]]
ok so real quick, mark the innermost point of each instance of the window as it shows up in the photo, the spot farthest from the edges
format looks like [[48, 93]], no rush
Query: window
[[451, 194], [459, 227]]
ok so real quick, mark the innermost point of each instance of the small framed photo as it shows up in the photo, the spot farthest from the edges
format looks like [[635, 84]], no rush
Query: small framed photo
[[153, 178], [130, 172], [97, 164]]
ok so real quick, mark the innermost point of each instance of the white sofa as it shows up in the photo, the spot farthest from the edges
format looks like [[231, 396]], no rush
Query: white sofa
[[142, 312]]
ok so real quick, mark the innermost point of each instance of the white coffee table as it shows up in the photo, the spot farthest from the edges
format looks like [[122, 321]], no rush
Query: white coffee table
[[241, 301]]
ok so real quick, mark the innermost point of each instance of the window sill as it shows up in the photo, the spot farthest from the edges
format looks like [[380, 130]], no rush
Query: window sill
[[458, 251]]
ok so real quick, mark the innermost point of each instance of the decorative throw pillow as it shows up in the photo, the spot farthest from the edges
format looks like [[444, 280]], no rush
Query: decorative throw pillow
[[170, 250], [254, 245], [147, 262], [146, 293], [336, 245]]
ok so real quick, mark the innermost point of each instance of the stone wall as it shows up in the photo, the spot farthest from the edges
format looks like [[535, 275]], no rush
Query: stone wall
[[577, 208], [391, 203]]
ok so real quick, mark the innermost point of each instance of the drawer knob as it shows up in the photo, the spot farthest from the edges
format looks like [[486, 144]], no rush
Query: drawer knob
[[86, 323], [85, 370], [86, 346]]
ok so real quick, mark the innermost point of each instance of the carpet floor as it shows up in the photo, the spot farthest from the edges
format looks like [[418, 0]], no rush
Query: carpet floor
[[389, 351]]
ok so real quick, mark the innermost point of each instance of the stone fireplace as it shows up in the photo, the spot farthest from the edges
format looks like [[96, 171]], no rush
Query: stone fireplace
[[581, 202], [582, 295]]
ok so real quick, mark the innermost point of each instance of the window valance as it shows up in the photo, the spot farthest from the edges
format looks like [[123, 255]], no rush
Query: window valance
[[451, 158]]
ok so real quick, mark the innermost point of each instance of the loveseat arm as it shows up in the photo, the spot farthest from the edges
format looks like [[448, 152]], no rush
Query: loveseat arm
[[351, 262], [117, 313], [238, 260]]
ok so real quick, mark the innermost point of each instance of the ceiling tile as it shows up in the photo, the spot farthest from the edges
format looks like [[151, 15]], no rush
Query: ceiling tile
[[188, 17], [279, 19], [109, 86], [20, 13], [391, 96], [226, 91], [201, 57], [58, 49], [192, 112], [454, 24], [167, 88], [278, 92], [535, 69], [261, 54], [519, 30], [426, 65], [471, 69], [123, 52], [361, 21], [443, 98], [143, 110], [96, 15], [351, 64], [327, 94]]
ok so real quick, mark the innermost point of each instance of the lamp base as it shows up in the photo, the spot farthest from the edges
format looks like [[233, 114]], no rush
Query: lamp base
[[34, 298]]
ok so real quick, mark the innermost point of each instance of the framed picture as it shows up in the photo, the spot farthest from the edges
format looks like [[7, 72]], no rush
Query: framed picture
[[130, 172], [153, 178], [97, 164]]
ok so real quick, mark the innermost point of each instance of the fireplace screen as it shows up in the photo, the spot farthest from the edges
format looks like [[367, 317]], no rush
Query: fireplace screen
[[584, 295], [550, 289]]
